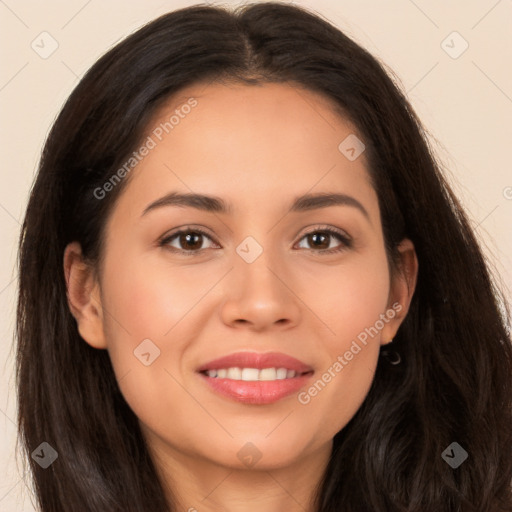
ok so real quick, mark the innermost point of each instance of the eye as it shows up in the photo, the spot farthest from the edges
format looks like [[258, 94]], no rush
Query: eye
[[190, 240], [321, 239]]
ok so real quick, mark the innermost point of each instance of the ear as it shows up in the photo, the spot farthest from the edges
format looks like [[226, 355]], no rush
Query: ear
[[402, 288], [83, 296]]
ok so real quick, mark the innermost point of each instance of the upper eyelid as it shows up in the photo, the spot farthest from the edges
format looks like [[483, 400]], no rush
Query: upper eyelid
[[321, 227]]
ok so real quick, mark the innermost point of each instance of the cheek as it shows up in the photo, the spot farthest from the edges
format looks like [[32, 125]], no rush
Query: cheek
[[349, 298], [145, 314], [149, 300], [355, 298]]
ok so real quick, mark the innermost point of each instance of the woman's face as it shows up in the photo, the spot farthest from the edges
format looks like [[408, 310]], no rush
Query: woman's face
[[262, 276]]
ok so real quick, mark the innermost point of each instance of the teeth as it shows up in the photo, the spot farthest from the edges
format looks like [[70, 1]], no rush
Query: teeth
[[281, 373], [234, 373], [268, 374], [252, 374]]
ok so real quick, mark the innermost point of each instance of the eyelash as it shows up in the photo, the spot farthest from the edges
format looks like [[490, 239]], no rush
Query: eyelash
[[346, 242]]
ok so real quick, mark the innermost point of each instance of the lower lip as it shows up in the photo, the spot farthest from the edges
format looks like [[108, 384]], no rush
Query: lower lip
[[256, 392]]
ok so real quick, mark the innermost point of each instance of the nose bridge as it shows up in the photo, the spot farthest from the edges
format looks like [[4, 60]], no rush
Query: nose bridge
[[257, 293], [258, 263]]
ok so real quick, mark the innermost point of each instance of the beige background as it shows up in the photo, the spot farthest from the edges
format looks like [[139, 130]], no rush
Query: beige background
[[465, 102]]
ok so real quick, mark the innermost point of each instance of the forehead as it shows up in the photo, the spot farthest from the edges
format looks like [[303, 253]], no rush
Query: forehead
[[248, 143], [285, 117]]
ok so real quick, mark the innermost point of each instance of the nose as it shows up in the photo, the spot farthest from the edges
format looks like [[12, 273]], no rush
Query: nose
[[260, 295]]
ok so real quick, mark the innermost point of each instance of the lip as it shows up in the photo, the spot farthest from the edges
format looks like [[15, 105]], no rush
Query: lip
[[257, 392], [257, 360]]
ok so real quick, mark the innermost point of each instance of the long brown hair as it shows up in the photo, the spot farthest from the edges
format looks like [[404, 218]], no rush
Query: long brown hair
[[455, 380]]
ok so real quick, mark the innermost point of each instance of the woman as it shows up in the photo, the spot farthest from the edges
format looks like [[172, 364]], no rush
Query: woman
[[246, 285]]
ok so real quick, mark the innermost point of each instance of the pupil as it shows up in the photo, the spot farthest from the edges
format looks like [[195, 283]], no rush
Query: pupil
[[189, 239], [315, 236]]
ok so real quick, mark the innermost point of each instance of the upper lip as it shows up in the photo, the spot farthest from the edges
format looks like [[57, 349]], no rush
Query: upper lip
[[257, 360]]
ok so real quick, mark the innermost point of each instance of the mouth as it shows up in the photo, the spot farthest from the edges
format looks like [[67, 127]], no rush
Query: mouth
[[253, 378], [253, 374]]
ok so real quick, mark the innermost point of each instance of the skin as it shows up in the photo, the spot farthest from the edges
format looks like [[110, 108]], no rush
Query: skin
[[257, 147]]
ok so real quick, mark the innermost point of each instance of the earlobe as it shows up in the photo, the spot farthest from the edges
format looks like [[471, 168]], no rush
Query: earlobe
[[402, 290], [83, 296]]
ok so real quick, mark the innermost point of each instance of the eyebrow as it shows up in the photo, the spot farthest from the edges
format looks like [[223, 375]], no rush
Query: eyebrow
[[216, 204]]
